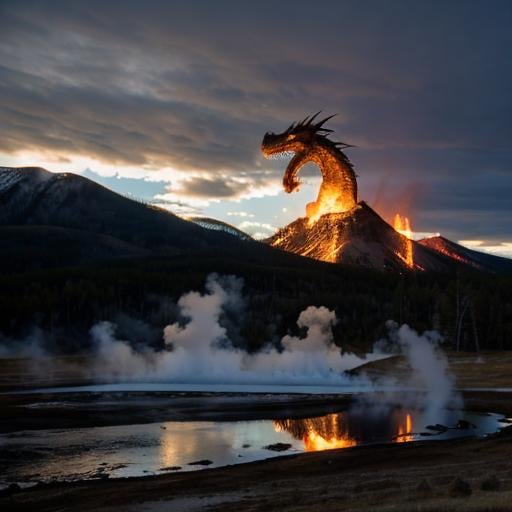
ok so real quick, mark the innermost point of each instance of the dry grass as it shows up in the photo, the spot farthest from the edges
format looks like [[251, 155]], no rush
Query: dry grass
[[481, 503], [471, 370]]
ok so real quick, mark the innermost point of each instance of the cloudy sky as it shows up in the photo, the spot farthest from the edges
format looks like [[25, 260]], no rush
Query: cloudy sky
[[168, 101]]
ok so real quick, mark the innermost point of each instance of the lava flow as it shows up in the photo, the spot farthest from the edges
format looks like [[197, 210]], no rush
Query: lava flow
[[403, 226]]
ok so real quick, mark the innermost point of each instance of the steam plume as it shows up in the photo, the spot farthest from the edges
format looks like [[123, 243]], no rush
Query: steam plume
[[430, 376], [200, 351]]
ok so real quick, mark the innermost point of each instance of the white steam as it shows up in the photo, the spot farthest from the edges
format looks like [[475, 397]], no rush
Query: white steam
[[430, 375], [201, 352], [200, 349]]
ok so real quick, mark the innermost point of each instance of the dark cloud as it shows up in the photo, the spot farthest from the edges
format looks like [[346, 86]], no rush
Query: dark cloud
[[209, 188], [423, 90]]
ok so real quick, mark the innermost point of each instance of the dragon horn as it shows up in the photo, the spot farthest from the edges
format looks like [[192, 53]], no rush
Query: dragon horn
[[290, 128], [313, 117], [304, 122], [344, 145], [323, 121]]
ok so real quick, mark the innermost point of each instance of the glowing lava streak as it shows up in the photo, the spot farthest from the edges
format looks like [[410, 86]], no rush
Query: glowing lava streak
[[327, 202], [403, 226]]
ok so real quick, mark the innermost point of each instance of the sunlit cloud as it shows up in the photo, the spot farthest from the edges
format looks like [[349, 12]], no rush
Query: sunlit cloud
[[502, 249], [258, 230], [241, 214], [165, 98], [202, 190]]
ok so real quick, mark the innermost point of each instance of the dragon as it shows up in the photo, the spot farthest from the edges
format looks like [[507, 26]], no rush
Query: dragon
[[307, 141]]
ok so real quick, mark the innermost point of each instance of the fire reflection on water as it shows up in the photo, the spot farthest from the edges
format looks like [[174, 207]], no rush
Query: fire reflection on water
[[323, 433], [344, 431], [405, 430], [143, 449]]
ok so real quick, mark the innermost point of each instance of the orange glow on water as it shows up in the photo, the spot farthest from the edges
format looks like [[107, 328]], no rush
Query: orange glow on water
[[314, 442], [405, 430], [318, 434], [341, 430]]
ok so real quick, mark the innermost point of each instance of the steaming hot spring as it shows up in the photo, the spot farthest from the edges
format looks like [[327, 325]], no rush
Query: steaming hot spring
[[203, 402]]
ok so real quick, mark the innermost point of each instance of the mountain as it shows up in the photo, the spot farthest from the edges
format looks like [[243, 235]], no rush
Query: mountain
[[475, 259], [358, 237], [62, 218], [34, 196], [59, 218]]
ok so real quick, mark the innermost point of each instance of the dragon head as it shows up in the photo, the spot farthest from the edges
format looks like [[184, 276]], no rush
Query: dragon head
[[296, 141]]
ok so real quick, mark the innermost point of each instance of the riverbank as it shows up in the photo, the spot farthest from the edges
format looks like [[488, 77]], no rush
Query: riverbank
[[360, 478], [452, 475], [439, 475]]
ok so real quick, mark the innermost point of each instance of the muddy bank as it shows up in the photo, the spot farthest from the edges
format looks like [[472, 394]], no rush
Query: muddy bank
[[80, 410]]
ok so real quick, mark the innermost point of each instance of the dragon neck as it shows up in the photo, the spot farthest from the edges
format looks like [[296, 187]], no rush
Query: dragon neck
[[337, 171]]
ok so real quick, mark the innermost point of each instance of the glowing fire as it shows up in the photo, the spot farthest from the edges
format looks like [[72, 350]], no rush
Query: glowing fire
[[328, 202], [405, 431], [403, 226]]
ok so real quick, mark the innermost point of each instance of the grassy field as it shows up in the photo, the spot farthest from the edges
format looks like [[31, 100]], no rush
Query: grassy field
[[470, 369]]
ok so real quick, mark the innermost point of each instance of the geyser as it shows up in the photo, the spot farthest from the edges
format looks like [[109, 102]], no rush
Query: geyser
[[432, 383], [200, 351]]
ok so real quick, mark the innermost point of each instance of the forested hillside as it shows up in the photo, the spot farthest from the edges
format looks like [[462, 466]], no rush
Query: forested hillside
[[470, 309]]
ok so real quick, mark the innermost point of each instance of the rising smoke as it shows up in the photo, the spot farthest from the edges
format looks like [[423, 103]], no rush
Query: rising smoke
[[432, 384], [201, 350]]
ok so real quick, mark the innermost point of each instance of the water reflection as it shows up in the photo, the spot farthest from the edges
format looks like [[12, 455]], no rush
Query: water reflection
[[405, 430], [144, 449], [361, 426], [323, 433]]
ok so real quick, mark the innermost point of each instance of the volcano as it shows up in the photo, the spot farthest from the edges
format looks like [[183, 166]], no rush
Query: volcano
[[338, 229], [360, 237], [357, 237]]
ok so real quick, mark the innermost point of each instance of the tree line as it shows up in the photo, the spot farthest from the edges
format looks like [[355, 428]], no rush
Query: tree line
[[473, 311]]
